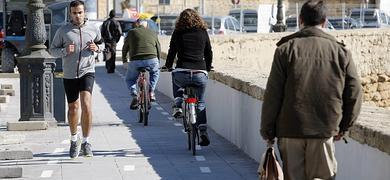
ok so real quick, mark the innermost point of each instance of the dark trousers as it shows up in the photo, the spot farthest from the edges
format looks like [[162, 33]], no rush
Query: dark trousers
[[109, 56]]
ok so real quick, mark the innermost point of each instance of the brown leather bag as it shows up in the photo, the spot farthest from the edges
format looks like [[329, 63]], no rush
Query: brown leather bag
[[269, 168]]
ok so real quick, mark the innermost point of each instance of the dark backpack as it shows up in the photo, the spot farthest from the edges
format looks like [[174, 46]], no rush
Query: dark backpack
[[110, 31]]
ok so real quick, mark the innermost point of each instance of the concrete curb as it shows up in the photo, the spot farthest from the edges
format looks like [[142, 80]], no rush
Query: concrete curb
[[11, 172], [8, 154], [27, 126]]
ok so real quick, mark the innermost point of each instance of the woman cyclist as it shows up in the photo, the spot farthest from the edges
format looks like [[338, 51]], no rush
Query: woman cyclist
[[191, 43]]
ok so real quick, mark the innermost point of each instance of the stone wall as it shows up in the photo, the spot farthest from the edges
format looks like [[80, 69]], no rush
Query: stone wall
[[377, 89], [250, 57]]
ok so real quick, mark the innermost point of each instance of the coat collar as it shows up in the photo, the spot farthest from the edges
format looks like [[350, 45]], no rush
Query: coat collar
[[307, 32]]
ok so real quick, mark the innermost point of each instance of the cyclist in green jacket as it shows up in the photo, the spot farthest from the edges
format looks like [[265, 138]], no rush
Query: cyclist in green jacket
[[143, 48]]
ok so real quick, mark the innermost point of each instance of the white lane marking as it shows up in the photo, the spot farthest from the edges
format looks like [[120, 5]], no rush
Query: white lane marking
[[205, 170], [177, 124], [198, 147], [58, 150], [129, 168], [165, 113], [66, 141], [46, 173], [171, 118], [159, 108], [52, 162], [200, 158]]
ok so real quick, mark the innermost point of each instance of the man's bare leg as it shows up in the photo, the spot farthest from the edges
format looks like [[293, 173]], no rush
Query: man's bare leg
[[86, 112], [86, 122], [73, 116], [73, 119]]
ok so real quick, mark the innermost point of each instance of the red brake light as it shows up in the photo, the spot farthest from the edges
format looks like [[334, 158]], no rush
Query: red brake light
[[191, 100], [2, 34]]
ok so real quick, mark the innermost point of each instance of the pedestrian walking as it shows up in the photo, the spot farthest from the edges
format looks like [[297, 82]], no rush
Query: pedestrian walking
[[142, 46], [191, 43], [312, 98], [77, 44], [111, 33]]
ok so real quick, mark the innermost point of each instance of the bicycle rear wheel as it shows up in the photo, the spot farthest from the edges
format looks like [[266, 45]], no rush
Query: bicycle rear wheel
[[145, 103], [193, 139], [192, 128]]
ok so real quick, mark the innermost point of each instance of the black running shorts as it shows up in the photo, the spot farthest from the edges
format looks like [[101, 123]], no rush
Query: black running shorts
[[73, 87]]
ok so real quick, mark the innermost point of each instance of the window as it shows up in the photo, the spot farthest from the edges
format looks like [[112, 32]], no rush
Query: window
[[209, 21], [383, 18], [236, 24], [59, 16], [164, 2], [250, 20], [229, 24]]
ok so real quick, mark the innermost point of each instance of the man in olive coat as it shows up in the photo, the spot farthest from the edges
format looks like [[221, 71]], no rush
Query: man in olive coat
[[313, 96]]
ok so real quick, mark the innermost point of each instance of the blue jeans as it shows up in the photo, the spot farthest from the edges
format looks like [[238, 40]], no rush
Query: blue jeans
[[132, 74], [180, 80]]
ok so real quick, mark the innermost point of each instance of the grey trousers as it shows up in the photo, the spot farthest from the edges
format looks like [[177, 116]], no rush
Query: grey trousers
[[308, 159]]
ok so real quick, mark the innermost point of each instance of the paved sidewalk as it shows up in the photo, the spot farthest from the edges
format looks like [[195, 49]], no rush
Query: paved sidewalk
[[124, 148]]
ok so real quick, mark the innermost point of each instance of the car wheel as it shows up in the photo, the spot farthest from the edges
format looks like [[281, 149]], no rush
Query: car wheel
[[7, 60]]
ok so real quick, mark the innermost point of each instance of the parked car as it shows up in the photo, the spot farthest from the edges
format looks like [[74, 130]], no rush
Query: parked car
[[340, 23], [249, 18], [370, 18], [292, 24], [222, 25]]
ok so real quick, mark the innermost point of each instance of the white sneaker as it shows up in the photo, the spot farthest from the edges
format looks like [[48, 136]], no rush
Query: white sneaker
[[177, 112], [152, 97]]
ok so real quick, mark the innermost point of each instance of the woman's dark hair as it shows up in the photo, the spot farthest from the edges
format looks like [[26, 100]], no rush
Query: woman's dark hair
[[112, 13], [190, 19], [313, 12], [76, 3]]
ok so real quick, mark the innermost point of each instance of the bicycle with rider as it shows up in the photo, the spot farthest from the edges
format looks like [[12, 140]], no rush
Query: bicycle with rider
[[142, 46], [191, 43]]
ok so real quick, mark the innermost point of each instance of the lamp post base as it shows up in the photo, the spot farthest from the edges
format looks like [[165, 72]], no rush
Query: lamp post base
[[279, 28]]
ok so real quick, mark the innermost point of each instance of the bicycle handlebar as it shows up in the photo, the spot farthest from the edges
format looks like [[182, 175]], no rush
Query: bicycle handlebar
[[165, 69]]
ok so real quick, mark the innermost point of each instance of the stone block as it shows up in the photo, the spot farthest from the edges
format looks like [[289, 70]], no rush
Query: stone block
[[370, 88], [374, 78], [385, 95], [11, 172], [367, 97], [4, 99], [6, 86], [383, 78], [377, 96], [384, 86], [15, 154], [27, 125], [9, 92], [365, 81]]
